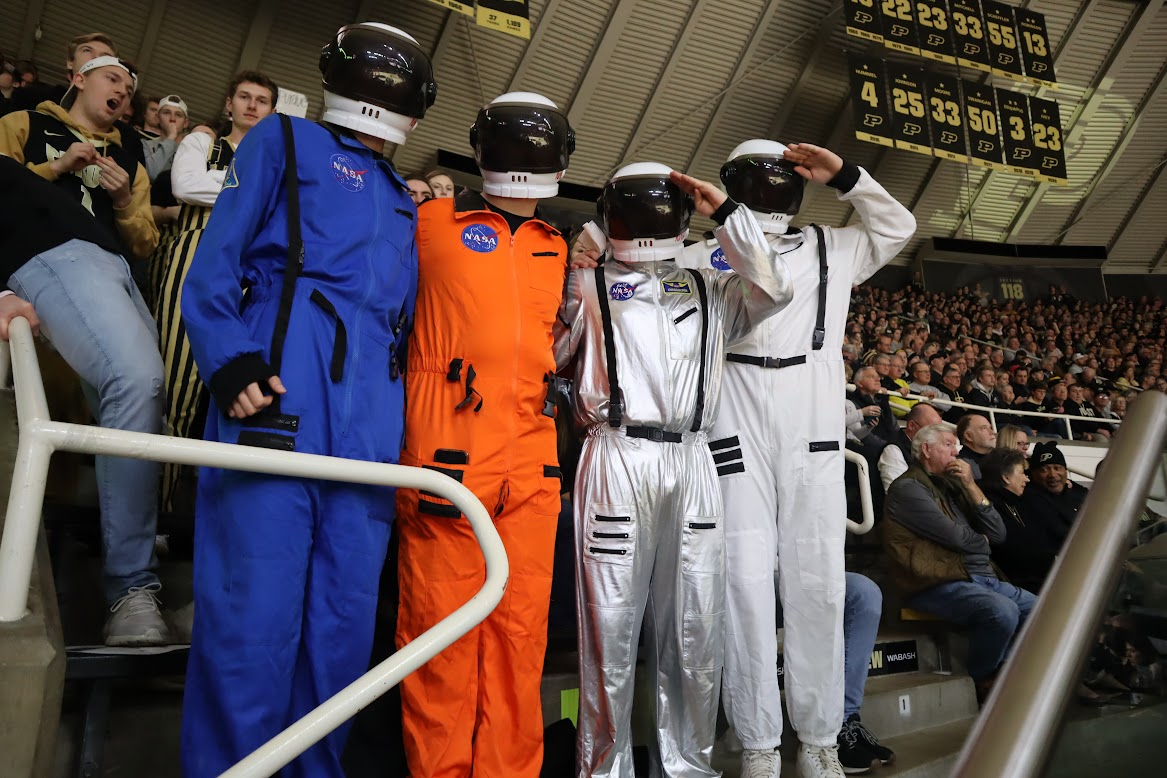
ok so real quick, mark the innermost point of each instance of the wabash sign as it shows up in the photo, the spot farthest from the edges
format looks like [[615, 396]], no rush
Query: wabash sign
[[899, 26], [869, 99], [968, 27], [909, 113], [863, 20], [1001, 27], [935, 28], [901, 656]]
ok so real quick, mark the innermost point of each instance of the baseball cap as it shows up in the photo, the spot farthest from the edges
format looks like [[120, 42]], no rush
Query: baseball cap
[[173, 101], [94, 64]]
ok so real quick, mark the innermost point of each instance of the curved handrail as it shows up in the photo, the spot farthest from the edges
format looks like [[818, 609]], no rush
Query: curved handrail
[[865, 503], [1017, 728], [40, 436]]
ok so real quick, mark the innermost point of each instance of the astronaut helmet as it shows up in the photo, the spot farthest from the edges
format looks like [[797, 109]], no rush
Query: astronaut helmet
[[758, 175], [377, 81], [521, 142], [644, 214]]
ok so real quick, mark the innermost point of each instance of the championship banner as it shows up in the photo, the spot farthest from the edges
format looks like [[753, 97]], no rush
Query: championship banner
[[984, 141], [899, 26], [1050, 155], [1016, 132], [863, 20], [935, 28], [909, 115], [968, 27], [454, 5], [509, 16], [945, 118], [869, 99], [1004, 56], [1035, 48]]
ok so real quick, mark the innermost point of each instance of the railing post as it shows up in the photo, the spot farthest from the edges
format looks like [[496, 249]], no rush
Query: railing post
[[993, 420], [5, 364], [22, 524], [1069, 429]]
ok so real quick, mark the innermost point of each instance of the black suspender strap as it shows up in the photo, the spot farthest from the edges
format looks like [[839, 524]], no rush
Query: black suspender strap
[[615, 395], [295, 260], [699, 412], [820, 331]]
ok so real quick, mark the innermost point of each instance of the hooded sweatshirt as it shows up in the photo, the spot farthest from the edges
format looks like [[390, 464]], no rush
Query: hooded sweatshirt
[[37, 138]]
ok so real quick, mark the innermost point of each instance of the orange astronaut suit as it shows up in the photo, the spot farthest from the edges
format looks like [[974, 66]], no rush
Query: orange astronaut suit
[[477, 409]]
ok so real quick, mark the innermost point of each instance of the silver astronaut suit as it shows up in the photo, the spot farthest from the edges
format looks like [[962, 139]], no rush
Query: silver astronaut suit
[[778, 440], [648, 515]]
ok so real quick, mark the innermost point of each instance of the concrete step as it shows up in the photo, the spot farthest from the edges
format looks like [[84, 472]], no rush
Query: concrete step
[[897, 705]]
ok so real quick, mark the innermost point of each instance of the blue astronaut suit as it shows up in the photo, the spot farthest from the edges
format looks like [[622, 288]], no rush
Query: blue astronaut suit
[[286, 569]]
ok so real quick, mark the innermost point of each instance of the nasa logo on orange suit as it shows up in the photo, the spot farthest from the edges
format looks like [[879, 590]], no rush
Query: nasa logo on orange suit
[[480, 238]]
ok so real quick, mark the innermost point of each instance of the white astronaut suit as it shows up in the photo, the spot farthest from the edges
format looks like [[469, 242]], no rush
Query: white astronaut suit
[[648, 513], [778, 444]]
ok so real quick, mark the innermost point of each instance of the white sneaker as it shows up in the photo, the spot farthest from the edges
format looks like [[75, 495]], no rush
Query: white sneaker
[[819, 762], [761, 764], [136, 619]]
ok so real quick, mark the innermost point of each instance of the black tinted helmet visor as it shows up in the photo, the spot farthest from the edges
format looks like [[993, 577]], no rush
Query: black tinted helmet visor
[[522, 136], [378, 67], [763, 184], [644, 207]]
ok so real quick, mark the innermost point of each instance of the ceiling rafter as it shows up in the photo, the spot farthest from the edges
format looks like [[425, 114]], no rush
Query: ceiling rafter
[[1133, 213], [533, 45], [777, 129], [761, 26], [1135, 29], [691, 28], [590, 79]]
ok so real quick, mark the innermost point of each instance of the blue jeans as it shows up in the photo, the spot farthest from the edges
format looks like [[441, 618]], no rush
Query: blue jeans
[[864, 605], [93, 315], [992, 610]]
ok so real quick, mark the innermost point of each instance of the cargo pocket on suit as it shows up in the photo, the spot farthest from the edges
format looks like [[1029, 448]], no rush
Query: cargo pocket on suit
[[822, 463], [609, 535], [703, 545], [685, 333], [703, 641], [430, 504]]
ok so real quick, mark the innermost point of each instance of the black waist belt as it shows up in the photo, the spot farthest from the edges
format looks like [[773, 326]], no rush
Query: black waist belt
[[653, 433], [770, 362]]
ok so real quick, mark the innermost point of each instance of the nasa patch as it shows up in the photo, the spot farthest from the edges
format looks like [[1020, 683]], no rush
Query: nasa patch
[[480, 238], [621, 290], [231, 180], [717, 259], [676, 287], [344, 169]]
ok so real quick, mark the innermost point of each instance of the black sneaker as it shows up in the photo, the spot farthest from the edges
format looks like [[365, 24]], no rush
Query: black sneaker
[[884, 754], [854, 757]]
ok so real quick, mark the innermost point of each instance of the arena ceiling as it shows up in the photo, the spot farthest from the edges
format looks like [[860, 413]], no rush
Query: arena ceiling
[[683, 81]]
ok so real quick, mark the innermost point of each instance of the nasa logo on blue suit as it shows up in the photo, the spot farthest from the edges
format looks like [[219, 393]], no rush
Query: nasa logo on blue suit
[[346, 173], [717, 259], [480, 238], [621, 290]]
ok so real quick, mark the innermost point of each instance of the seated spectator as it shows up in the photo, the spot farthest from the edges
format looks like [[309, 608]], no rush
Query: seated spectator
[[158, 153], [867, 393], [897, 385], [921, 383], [440, 184], [977, 438], [937, 530], [1118, 407], [65, 268], [894, 458], [1028, 551], [149, 128], [982, 390], [419, 190], [1006, 401], [1051, 499], [1055, 402], [1014, 437], [953, 379], [7, 85]]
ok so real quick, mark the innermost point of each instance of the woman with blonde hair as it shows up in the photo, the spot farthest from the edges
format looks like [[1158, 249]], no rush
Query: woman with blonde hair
[[1014, 437]]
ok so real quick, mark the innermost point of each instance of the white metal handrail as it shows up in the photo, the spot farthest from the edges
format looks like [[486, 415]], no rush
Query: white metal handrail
[[854, 527], [40, 436], [1002, 411]]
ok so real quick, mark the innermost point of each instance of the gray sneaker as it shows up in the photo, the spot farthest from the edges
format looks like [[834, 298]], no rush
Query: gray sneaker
[[136, 619]]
